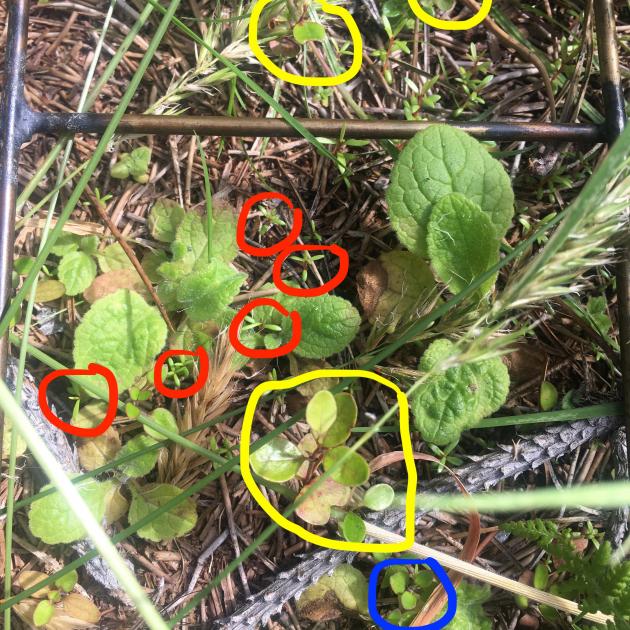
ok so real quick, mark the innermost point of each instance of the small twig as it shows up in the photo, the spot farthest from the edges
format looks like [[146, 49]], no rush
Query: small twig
[[102, 210], [227, 500], [494, 579], [207, 552]]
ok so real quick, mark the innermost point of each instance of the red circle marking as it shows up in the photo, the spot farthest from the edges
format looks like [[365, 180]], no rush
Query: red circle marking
[[344, 264], [242, 224], [204, 370], [93, 369], [257, 353]]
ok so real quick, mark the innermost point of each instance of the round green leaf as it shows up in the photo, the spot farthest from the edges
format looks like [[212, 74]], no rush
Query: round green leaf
[[76, 270], [321, 413], [165, 419], [278, 460], [408, 600], [352, 472], [23, 265], [339, 430], [315, 508], [49, 290], [548, 396], [353, 528], [43, 613], [309, 32], [379, 497], [68, 581], [398, 581]]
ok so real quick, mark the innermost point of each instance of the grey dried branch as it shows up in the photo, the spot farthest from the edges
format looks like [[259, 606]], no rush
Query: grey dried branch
[[617, 528], [484, 472]]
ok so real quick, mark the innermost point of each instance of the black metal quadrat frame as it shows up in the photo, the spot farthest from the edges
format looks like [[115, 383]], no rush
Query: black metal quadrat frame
[[18, 123]]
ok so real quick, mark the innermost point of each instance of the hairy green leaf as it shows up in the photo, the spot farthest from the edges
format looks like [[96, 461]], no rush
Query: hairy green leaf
[[470, 613], [173, 524], [164, 219], [208, 291], [462, 243], [438, 161], [142, 464], [66, 243], [51, 520], [76, 270], [123, 333], [112, 258], [329, 324], [459, 397]]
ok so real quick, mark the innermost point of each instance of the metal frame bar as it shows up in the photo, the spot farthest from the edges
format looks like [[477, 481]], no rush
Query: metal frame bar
[[18, 123]]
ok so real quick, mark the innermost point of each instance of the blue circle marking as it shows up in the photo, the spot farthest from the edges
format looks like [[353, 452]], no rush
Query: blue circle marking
[[440, 573]]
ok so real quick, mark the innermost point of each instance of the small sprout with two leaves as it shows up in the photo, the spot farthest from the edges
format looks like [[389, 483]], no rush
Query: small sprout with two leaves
[[331, 418]]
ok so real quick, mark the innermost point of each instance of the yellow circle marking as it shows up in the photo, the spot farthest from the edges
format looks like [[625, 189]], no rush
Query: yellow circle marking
[[298, 79], [410, 521], [449, 25]]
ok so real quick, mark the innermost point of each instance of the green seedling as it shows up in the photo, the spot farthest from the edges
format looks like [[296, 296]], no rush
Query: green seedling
[[331, 418], [134, 165]]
